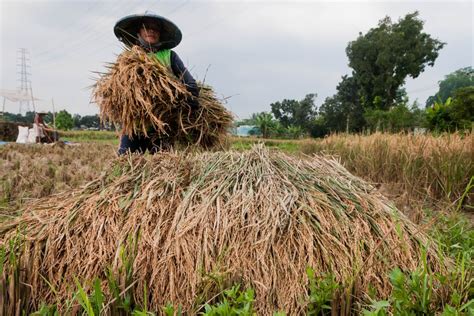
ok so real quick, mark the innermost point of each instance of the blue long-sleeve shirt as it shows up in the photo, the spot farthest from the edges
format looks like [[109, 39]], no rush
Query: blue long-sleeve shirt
[[180, 71]]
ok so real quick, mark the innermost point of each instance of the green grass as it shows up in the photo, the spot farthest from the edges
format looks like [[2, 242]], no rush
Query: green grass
[[90, 136]]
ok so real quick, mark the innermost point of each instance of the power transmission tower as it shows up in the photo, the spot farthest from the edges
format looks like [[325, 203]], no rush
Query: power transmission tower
[[25, 84]]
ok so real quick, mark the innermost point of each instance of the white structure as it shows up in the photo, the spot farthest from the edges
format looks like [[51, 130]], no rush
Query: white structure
[[16, 96]]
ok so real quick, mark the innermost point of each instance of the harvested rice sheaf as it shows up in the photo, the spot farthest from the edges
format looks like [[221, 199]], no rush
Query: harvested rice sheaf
[[185, 220], [142, 96]]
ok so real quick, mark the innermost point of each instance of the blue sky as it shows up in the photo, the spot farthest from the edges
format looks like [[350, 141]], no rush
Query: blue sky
[[257, 52]]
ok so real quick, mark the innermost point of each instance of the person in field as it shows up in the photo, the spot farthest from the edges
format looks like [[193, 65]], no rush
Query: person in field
[[44, 134], [156, 35]]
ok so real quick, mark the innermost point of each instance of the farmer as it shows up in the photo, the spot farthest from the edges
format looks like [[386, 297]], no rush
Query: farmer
[[156, 35], [42, 131]]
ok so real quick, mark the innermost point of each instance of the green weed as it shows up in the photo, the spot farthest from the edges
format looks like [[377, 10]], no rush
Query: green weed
[[322, 291], [232, 302]]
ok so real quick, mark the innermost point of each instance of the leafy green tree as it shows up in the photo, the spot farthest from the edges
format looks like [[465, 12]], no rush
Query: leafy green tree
[[318, 127], [64, 120], [418, 115], [439, 117], [90, 121], [285, 111], [453, 114], [295, 132], [296, 113], [383, 58], [398, 118], [343, 111], [463, 77], [77, 120], [462, 110], [12, 117], [265, 123], [28, 118]]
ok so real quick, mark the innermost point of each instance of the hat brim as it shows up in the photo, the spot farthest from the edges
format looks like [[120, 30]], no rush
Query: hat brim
[[127, 28]]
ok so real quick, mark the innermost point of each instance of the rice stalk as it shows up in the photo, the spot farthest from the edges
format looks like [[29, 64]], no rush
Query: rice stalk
[[144, 97], [256, 218]]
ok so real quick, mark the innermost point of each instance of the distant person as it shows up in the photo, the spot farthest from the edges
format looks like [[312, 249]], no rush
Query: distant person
[[156, 35], [44, 134]]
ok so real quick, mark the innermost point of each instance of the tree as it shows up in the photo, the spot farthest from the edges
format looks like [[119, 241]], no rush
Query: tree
[[294, 132], [463, 77], [28, 118], [296, 113], [90, 121], [462, 110], [77, 120], [64, 120], [398, 118], [438, 116], [383, 58], [318, 127], [343, 111], [453, 114], [264, 122]]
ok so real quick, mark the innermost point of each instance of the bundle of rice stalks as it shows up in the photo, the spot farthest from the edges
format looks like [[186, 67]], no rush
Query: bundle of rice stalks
[[143, 96], [207, 126], [180, 227]]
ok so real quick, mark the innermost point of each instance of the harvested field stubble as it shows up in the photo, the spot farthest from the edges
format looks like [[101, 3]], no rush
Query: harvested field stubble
[[255, 218], [142, 95], [35, 171]]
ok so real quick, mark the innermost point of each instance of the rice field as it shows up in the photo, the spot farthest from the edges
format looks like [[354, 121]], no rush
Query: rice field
[[280, 227], [29, 172], [413, 170]]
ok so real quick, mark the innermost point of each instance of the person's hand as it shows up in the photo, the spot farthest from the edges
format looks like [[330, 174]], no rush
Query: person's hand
[[193, 103]]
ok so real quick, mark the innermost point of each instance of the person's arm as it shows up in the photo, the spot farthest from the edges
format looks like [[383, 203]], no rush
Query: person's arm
[[181, 72]]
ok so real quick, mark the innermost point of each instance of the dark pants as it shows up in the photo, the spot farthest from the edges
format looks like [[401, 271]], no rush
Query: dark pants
[[140, 144]]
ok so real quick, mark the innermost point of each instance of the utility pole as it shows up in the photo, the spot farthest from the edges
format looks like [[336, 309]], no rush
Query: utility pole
[[54, 114]]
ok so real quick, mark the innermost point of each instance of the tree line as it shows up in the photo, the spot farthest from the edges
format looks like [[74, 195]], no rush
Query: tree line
[[372, 97], [63, 120]]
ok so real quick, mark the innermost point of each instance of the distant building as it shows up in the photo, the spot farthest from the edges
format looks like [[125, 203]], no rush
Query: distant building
[[419, 131], [243, 130]]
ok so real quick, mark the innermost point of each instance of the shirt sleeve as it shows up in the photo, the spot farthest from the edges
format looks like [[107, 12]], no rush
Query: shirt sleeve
[[181, 72]]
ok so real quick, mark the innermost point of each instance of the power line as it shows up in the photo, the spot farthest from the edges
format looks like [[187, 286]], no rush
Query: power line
[[432, 87], [66, 30], [86, 34], [94, 37]]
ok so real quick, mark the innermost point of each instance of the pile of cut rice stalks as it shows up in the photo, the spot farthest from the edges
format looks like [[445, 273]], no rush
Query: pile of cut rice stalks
[[142, 96], [185, 220]]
